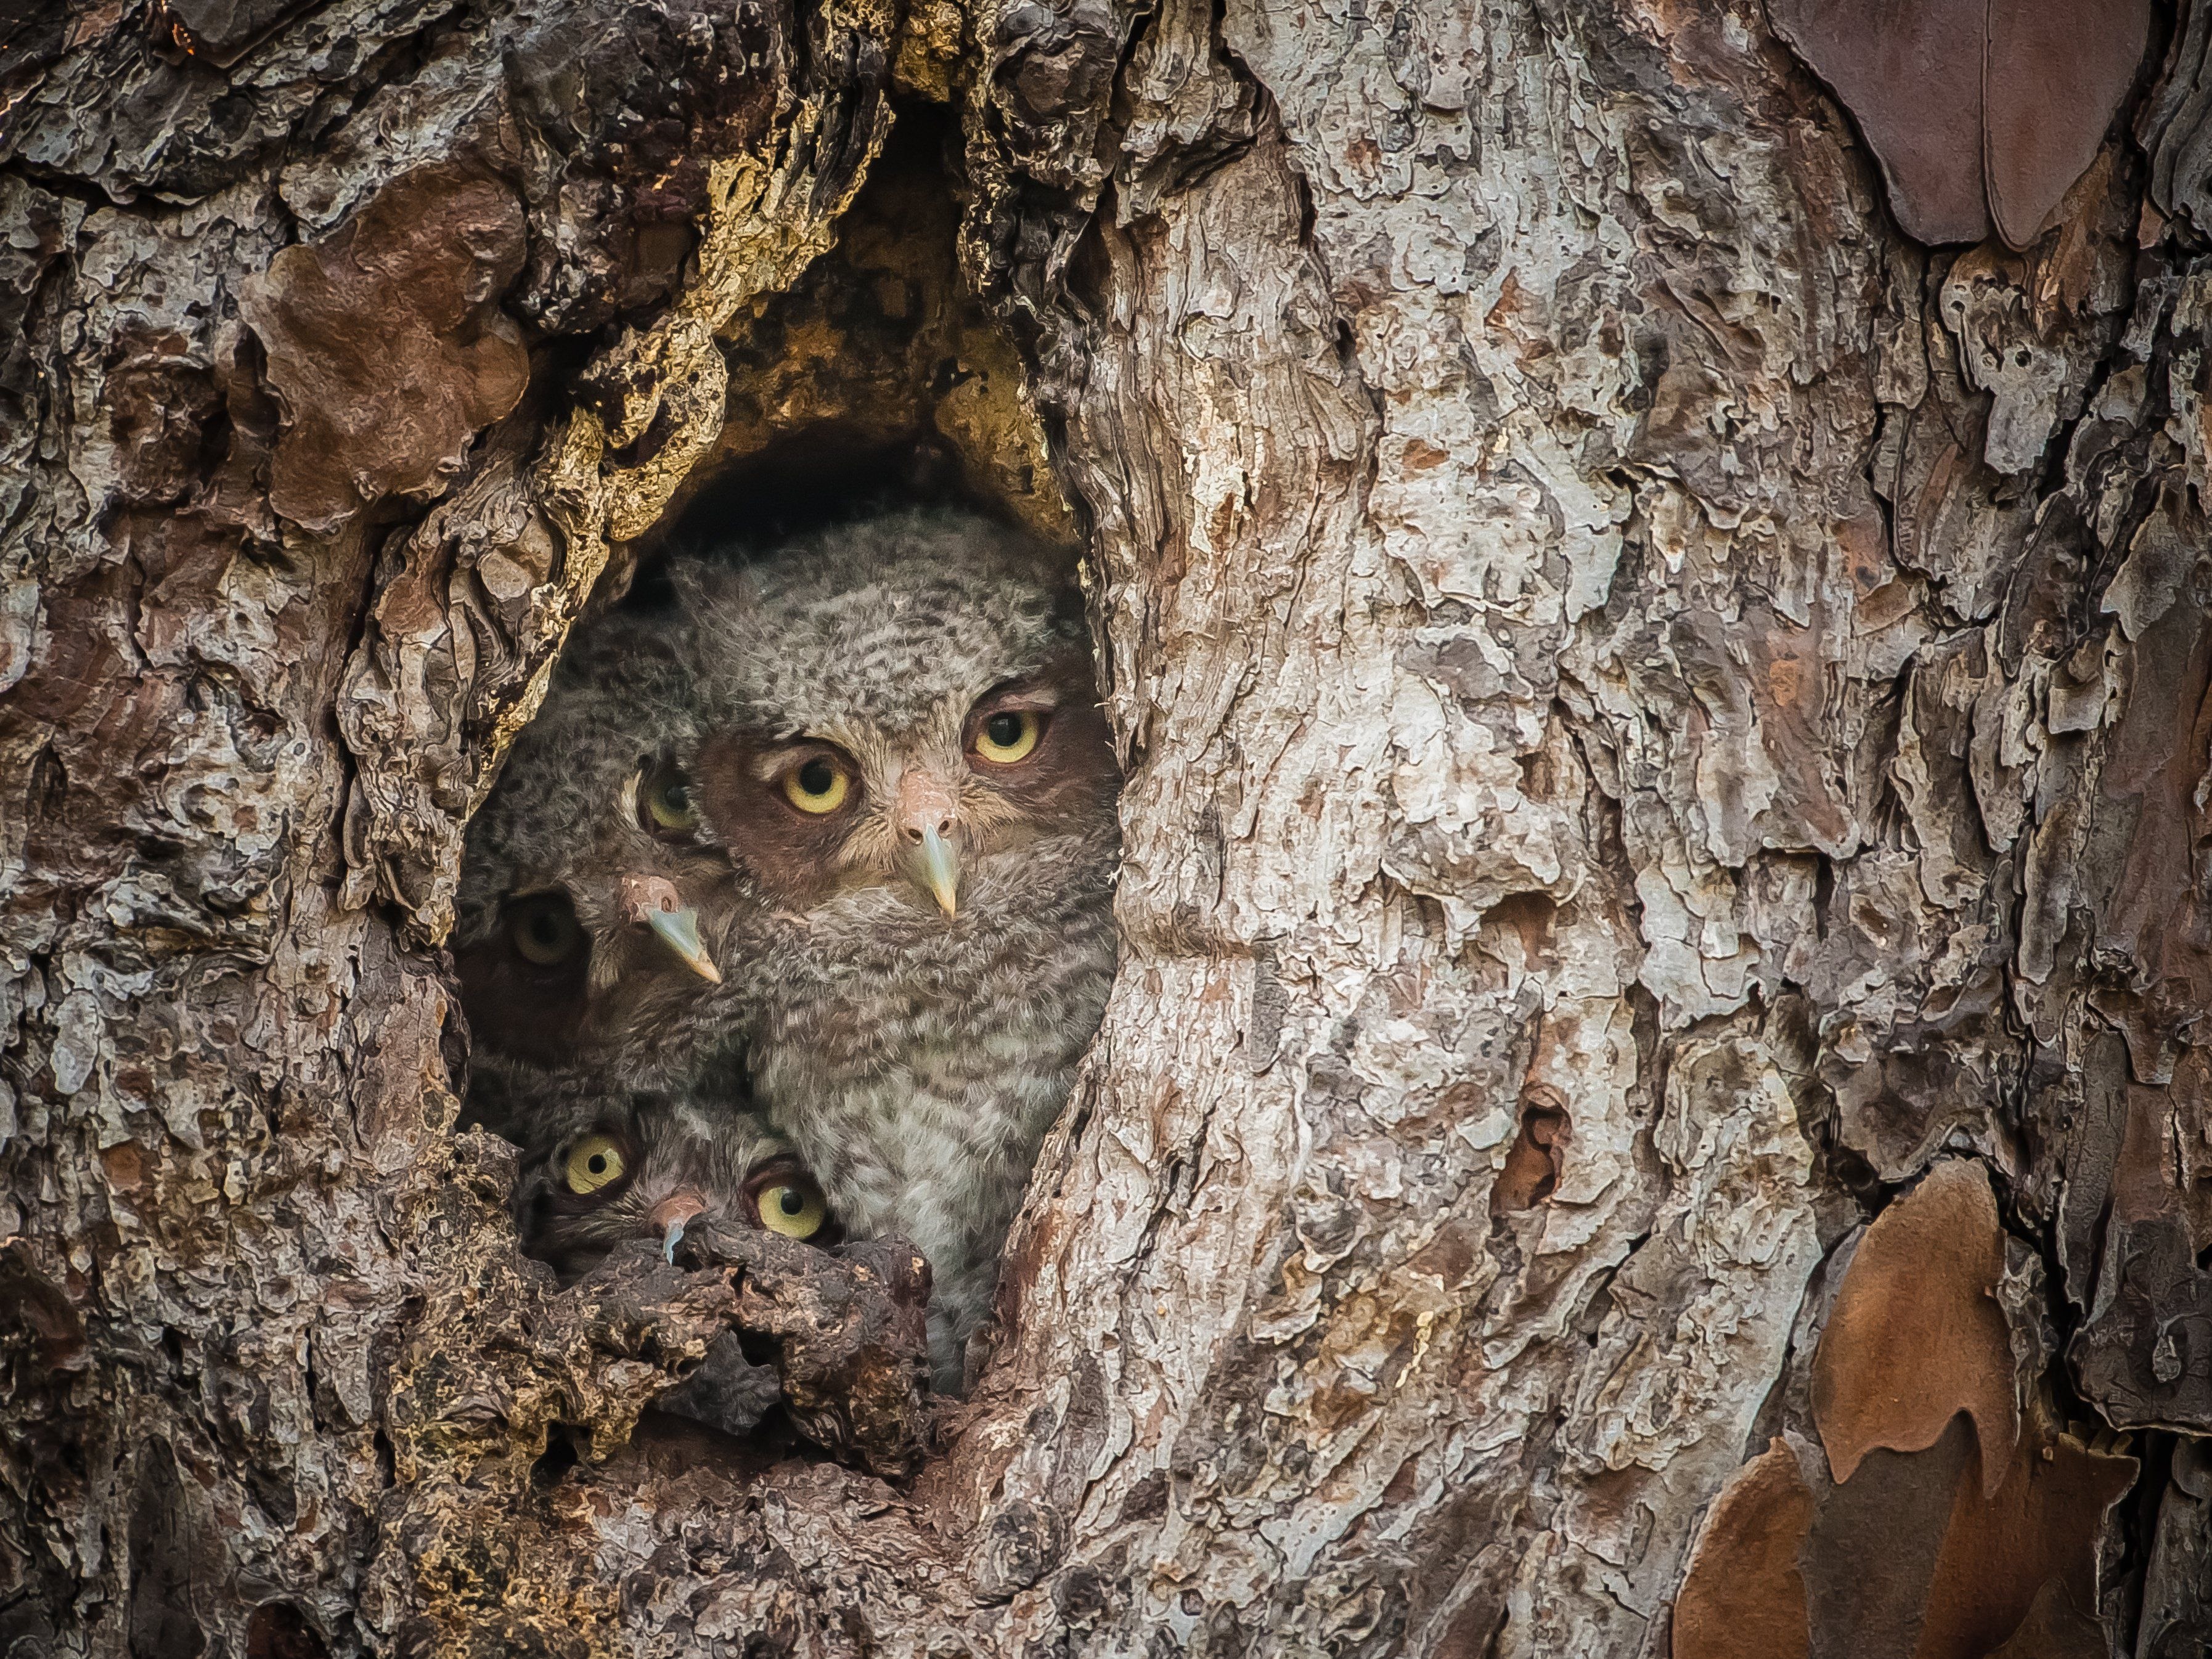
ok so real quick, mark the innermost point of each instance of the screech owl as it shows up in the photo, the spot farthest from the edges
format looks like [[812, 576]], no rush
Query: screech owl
[[579, 946], [906, 764], [600, 1167]]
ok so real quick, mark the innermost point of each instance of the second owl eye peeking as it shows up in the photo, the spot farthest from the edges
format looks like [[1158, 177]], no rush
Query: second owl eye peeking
[[666, 804], [544, 930]]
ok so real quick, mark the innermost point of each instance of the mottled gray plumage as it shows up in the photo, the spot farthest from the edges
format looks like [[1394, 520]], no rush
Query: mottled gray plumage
[[914, 1052], [564, 834]]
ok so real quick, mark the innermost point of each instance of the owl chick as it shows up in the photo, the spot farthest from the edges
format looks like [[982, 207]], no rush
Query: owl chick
[[578, 947], [598, 1168], [908, 762]]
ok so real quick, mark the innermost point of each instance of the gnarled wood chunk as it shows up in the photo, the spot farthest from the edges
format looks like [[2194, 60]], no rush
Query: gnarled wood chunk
[[1983, 112], [849, 1334]]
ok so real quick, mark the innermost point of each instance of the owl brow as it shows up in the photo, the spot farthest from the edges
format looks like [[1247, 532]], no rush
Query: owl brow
[[772, 760], [1028, 695]]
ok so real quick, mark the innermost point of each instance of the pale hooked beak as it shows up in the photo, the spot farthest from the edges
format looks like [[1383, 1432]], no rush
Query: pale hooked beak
[[653, 901], [668, 1218], [925, 809], [679, 931], [935, 867]]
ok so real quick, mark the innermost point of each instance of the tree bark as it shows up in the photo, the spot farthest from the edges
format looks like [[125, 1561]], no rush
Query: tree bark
[[1656, 1098]]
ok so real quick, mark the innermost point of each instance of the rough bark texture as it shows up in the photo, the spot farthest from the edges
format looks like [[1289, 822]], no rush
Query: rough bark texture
[[1656, 1096]]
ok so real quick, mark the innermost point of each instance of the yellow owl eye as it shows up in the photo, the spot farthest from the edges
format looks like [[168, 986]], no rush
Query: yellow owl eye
[[819, 786], [593, 1163], [544, 930], [1008, 736], [793, 1208], [665, 802]]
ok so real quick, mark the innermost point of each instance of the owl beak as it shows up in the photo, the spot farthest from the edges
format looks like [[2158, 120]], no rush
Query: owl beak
[[669, 1218], [925, 811], [655, 901], [935, 867], [679, 931]]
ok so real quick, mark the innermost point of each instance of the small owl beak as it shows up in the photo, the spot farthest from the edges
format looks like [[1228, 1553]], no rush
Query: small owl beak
[[655, 901], [935, 867], [668, 1218], [679, 931]]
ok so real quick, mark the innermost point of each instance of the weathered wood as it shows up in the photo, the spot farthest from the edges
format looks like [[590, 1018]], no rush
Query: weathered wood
[[1665, 721]]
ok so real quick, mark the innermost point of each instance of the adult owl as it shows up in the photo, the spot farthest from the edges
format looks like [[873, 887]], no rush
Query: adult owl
[[579, 946], [906, 764]]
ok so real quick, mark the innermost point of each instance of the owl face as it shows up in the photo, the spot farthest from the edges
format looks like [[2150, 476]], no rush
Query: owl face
[[581, 914], [917, 812], [901, 729], [600, 935], [648, 1167]]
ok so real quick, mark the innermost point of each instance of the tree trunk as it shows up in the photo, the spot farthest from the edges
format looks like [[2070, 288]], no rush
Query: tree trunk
[[1656, 1093]]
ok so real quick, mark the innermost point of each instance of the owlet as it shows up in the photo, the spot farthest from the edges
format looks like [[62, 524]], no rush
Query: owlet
[[906, 764], [579, 946], [601, 1169]]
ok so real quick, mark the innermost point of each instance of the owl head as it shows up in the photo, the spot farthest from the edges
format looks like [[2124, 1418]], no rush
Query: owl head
[[599, 1169], [579, 907], [899, 714]]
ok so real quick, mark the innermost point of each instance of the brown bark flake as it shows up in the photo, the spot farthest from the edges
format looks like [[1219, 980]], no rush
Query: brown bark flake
[[1916, 1334], [1744, 1597], [1983, 113], [386, 348]]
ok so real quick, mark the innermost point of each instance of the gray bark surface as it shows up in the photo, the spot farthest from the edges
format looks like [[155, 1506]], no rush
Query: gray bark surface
[[1664, 912]]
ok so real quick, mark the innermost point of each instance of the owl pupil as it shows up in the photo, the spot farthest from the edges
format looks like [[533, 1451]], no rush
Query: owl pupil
[[597, 1163], [790, 1203], [1005, 730], [817, 777]]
